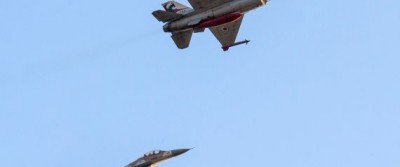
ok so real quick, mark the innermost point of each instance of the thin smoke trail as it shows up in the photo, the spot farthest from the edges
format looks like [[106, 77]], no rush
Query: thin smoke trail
[[43, 69]]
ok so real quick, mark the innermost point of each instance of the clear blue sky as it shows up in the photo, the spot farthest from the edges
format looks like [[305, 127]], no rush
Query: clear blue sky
[[97, 83]]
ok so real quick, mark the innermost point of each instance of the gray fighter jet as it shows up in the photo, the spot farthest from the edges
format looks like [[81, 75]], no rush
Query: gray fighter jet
[[222, 17], [152, 158]]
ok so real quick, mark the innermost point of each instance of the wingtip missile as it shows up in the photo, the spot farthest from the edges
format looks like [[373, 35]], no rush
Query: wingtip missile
[[226, 48]]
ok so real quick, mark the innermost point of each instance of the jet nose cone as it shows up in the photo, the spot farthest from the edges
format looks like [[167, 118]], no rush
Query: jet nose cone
[[179, 151]]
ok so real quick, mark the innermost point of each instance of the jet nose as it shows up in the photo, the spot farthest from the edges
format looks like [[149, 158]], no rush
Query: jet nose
[[179, 151]]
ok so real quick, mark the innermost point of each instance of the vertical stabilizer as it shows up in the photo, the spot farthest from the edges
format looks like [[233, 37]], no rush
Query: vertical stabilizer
[[176, 7]]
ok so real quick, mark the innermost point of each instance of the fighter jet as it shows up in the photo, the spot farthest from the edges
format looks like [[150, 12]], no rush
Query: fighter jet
[[152, 158], [222, 17]]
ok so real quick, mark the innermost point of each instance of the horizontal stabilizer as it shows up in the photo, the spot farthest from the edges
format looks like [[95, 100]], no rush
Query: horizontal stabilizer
[[182, 38], [165, 16]]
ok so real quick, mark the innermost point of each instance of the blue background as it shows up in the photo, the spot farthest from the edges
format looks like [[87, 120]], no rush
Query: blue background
[[97, 83]]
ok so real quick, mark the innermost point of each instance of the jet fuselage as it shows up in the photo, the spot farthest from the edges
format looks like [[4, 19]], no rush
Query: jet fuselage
[[154, 157], [193, 20]]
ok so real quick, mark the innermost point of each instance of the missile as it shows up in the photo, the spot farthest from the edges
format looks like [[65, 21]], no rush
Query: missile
[[226, 48]]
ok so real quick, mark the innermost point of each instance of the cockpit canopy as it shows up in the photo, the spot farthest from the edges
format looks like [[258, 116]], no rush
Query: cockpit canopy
[[153, 152]]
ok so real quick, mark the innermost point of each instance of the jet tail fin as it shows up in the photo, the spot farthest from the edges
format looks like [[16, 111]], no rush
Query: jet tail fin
[[182, 38], [176, 7], [165, 16]]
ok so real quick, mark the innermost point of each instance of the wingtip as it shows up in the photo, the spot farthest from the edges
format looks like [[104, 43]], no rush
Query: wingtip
[[225, 48]]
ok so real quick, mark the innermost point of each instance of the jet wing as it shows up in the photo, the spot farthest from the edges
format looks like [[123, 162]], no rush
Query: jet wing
[[204, 4], [182, 38], [227, 33]]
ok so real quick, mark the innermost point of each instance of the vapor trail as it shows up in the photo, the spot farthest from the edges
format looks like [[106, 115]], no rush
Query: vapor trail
[[64, 62]]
